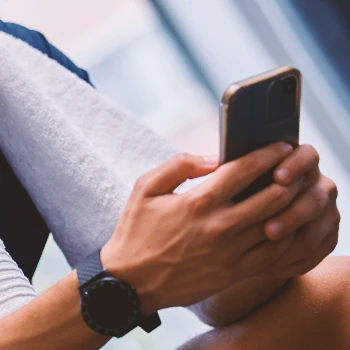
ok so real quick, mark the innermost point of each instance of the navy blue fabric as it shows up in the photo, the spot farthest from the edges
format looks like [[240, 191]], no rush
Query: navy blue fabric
[[22, 228], [38, 41]]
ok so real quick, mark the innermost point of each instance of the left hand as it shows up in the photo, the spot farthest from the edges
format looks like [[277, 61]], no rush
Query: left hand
[[313, 217]]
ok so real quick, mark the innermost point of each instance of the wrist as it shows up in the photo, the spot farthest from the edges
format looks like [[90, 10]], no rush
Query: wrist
[[109, 304], [125, 270]]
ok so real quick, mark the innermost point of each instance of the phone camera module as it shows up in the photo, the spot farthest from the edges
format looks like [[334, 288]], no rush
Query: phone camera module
[[289, 85], [282, 99]]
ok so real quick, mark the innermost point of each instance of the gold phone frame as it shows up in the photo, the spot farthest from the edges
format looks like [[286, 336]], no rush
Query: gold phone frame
[[232, 90]]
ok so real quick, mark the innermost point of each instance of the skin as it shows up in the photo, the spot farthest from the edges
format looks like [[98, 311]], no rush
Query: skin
[[313, 221], [177, 250], [310, 312]]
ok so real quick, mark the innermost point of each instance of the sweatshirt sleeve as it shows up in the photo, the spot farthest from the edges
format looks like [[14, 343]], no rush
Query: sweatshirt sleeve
[[15, 289]]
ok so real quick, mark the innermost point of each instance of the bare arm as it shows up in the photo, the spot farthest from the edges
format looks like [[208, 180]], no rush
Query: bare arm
[[311, 312], [51, 321], [193, 239], [169, 238]]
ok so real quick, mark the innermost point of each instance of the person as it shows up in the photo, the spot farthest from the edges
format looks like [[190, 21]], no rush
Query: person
[[194, 248]]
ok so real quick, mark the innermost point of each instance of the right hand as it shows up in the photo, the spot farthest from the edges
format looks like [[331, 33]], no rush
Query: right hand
[[178, 249]]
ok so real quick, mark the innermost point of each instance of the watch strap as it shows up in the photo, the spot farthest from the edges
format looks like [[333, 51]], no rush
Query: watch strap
[[89, 267], [150, 322]]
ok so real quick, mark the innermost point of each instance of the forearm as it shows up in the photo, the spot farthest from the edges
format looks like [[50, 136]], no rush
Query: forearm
[[51, 321], [235, 302]]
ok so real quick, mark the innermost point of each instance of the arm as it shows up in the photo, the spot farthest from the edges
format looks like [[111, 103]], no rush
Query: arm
[[160, 243], [15, 201], [311, 312], [51, 321]]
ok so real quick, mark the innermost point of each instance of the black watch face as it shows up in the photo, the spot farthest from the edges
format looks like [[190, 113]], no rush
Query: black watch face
[[109, 304]]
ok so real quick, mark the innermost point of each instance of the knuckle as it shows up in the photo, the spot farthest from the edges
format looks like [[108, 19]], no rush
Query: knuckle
[[184, 159], [199, 202], [142, 184], [280, 196], [319, 198], [332, 189], [188, 201], [332, 242], [337, 218], [203, 201], [312, 151], [215, 229], [333, 219]]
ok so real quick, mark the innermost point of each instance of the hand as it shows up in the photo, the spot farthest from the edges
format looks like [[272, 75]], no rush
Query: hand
[[313, 218], [177, 249]]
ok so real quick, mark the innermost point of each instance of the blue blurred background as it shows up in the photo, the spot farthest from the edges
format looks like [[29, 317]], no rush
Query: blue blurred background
[[168, 62]]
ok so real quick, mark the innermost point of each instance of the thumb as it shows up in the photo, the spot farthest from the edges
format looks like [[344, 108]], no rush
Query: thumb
[[168, 176]]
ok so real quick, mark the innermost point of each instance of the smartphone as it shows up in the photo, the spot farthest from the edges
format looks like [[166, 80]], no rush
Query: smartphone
[[257, 112]]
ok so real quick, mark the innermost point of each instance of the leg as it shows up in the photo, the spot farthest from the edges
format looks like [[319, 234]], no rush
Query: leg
[[312, 312], [22, 229]]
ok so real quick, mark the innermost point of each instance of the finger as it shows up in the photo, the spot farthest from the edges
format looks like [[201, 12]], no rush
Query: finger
[[259, 207], [231, 178], [303, 266], [260, 258], [308, 239], [303, 159], [167, 177], [251, 237], [304, 209]]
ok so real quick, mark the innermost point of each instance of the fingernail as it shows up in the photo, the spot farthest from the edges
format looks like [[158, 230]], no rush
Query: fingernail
[[275, 229], [283, 175], [286, 147], [211, 159]]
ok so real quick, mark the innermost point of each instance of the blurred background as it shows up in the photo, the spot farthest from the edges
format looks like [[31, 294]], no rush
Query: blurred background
[[168, 62]]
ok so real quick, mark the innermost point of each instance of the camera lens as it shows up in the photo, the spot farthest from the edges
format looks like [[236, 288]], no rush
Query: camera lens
[[282, 101], [289, 85]]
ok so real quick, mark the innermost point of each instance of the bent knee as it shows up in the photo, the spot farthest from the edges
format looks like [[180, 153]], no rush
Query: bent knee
[[326, 291], [332, 277]]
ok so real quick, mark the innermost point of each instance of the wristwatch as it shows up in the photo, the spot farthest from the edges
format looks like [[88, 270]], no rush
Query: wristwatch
[[109, 305]]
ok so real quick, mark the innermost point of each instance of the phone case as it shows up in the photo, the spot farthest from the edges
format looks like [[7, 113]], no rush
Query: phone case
[[250, 118]]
